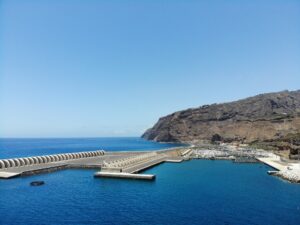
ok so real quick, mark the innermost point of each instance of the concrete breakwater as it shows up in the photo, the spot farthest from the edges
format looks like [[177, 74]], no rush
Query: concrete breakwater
[[26, 161], [40, 164], [129, 166], [110, 162]]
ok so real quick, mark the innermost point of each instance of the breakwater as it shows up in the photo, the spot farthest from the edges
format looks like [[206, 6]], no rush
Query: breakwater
[[109, 162], [129, 166], [40, 164], [37, 160]]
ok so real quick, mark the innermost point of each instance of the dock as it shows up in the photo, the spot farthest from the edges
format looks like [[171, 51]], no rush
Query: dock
[[125, 175], [126, 164], [287, 170], [273, 161], [129, 167]]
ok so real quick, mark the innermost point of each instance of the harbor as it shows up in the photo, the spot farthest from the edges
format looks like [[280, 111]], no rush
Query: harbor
[[130, 164]]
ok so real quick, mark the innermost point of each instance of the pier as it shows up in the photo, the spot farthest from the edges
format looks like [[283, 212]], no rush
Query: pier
[[129, 166], [110, 164], [287, 170]]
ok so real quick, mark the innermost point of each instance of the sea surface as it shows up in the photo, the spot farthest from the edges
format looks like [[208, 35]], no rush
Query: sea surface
[[23, 147], [192, 192]]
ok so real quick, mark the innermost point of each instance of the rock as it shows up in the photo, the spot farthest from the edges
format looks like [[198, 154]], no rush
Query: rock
[[262, 117], [37, 183], [216, 138]]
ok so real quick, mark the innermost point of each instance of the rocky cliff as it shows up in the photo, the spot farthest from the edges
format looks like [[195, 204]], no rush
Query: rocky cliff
[[259, 118]]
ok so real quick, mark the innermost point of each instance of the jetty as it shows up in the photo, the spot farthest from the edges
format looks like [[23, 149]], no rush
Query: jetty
[[287, 170], [129, 167], [122, 164]]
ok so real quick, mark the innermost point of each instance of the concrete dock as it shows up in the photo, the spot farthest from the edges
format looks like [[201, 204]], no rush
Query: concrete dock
[[273, 161], [287, 170], [128, 167], [125, 175], [112, 164]]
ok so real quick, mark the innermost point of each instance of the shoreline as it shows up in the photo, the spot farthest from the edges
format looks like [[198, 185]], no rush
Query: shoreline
[[286, 169]]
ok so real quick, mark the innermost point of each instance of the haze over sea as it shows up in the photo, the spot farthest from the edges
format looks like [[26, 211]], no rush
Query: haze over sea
[[193, 192]]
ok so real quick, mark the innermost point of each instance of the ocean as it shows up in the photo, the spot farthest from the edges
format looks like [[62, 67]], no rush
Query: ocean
[[192, 192]]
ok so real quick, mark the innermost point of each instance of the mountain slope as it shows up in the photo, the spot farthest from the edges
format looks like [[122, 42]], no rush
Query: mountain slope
[[262, 117]]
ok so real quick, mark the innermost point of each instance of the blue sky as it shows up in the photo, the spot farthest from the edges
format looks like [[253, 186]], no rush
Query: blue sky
[[112, 68]]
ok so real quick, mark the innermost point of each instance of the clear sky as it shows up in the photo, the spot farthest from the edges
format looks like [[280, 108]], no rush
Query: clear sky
[[111, 68]]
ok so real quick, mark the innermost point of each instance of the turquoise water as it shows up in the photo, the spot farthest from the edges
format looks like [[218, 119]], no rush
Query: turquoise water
[[192, 192]]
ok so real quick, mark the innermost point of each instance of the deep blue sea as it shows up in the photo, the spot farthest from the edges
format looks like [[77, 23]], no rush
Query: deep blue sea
[[192, 192], [22, 147]]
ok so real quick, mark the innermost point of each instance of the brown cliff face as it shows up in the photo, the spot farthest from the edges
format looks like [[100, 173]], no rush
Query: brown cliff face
[[258, 118]]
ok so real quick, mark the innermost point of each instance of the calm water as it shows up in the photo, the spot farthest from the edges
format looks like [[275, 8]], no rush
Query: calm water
[[194, 192], [10, 148]]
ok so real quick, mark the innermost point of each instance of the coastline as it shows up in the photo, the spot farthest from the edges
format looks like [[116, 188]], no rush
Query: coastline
[[286, 169]]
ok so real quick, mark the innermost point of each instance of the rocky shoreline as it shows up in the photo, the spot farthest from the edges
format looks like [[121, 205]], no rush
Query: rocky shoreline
[[292, 176], [227, 152], [286, 169]]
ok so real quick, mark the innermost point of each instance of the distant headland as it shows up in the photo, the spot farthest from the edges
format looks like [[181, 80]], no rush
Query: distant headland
[[269, 121]]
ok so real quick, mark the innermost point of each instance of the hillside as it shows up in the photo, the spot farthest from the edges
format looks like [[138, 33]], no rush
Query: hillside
[[259, 118]]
